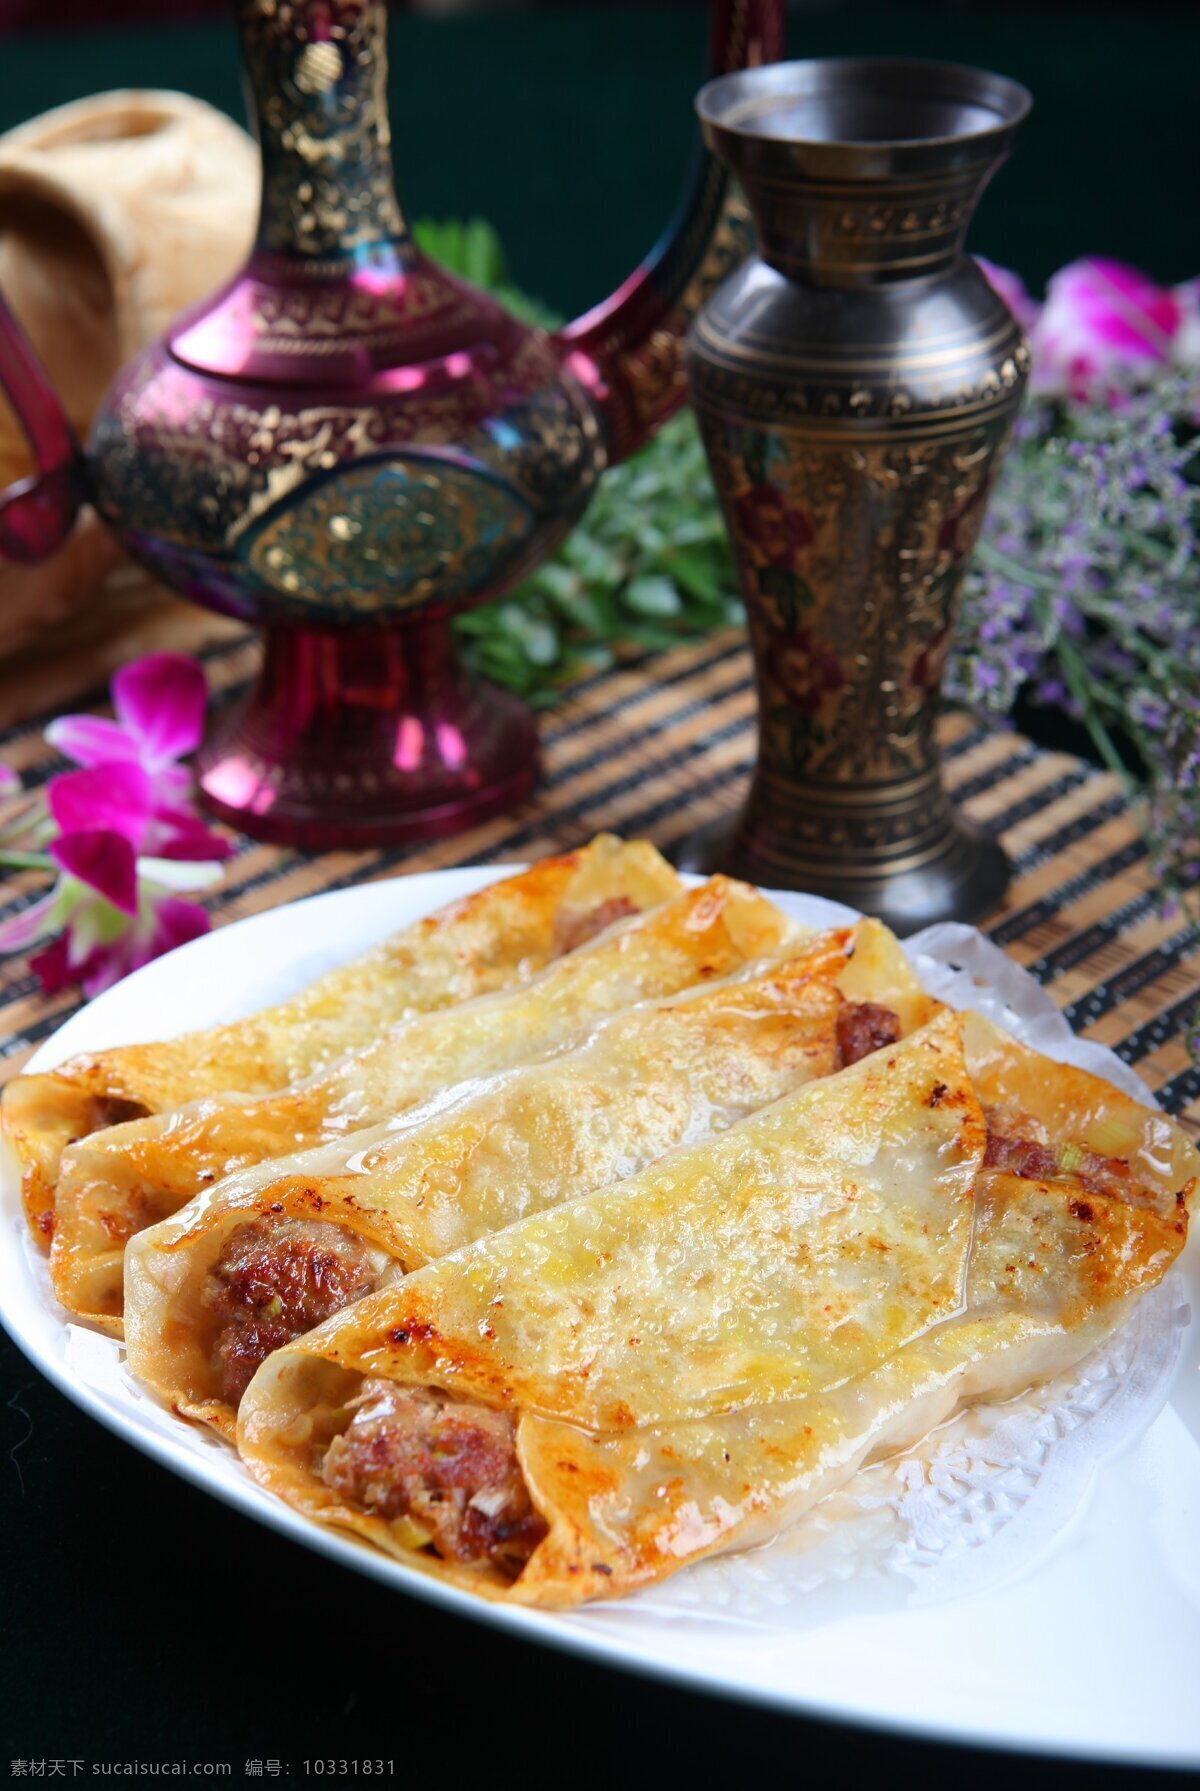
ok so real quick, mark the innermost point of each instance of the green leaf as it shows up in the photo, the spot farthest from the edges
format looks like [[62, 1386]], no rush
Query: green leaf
[[698, 569], [557, 581], [651, 596], [27, 861], [539, 641]]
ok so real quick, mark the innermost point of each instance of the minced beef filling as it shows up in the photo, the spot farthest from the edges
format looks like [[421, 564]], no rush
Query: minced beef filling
[[862, 1027], [448, 1464], [1014, 1147], [573, 930], [275, 1280], [114, 1110]]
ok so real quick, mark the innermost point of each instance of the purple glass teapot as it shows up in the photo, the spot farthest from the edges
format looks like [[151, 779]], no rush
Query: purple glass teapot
[[346, 446]]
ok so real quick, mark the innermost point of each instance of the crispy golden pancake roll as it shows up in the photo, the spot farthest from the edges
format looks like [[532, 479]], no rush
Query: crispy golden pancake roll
[[266, 1255], [116, 1183], [498, 937], [583, 1403], [788, 1255]]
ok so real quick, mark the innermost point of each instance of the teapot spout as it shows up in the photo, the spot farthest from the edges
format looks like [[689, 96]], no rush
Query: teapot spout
[[627, 351], [37, 512]]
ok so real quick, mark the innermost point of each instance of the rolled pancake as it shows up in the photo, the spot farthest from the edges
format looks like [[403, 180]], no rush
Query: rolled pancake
[[116, 1183], [498, 937], [267, 1254], [585, 1402]]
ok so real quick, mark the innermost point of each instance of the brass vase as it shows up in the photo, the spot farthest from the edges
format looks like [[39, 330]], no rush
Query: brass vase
[[855, 382]]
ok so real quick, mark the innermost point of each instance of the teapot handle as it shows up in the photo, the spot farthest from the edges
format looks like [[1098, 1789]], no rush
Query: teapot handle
[[628, 350], [37, 512]]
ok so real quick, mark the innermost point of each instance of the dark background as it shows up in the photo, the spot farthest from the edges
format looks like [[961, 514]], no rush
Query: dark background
[[570, 126], [138, 1619]]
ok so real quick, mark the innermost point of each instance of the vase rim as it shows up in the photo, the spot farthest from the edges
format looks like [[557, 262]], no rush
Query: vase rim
[[752, 105]]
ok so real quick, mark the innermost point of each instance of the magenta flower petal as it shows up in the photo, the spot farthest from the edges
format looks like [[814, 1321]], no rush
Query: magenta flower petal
[[172, 786], [161, 701], [1103, 328], [103, 860], [104, 966], [1122, 307], [52, 966], [10, 783], [177, 835], [175, 922], [1012, 290], [91, 740], [178, 832], [56, 967], [113, 798]]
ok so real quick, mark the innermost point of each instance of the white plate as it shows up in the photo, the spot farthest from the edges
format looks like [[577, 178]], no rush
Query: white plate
[[1092, 1651]]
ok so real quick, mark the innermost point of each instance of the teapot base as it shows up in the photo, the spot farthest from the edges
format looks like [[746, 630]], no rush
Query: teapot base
[[361, 737]]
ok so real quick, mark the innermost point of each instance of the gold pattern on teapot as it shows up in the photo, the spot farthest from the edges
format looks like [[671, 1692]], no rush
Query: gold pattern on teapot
[[227, 477], [420, 531]]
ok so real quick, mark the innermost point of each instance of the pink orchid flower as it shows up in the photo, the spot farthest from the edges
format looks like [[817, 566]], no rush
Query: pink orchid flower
[[125, 838], [1011, 288], [111, 911], [130, 764], [1103, 329]]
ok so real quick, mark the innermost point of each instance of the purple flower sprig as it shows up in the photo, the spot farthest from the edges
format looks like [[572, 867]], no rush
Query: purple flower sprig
[[1085, 596], [119, 834]]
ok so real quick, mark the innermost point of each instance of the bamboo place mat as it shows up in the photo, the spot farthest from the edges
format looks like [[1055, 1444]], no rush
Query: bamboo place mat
[[663, 744]]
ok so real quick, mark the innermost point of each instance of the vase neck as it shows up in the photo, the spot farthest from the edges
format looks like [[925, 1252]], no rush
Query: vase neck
[[865, 232], [317, 77], [861, 172]]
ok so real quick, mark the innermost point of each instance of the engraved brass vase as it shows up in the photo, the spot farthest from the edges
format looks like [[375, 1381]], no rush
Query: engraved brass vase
[[346, 447], [855, 382]]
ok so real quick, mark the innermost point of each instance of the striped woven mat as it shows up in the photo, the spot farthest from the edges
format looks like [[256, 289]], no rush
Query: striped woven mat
[[664, 743]]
